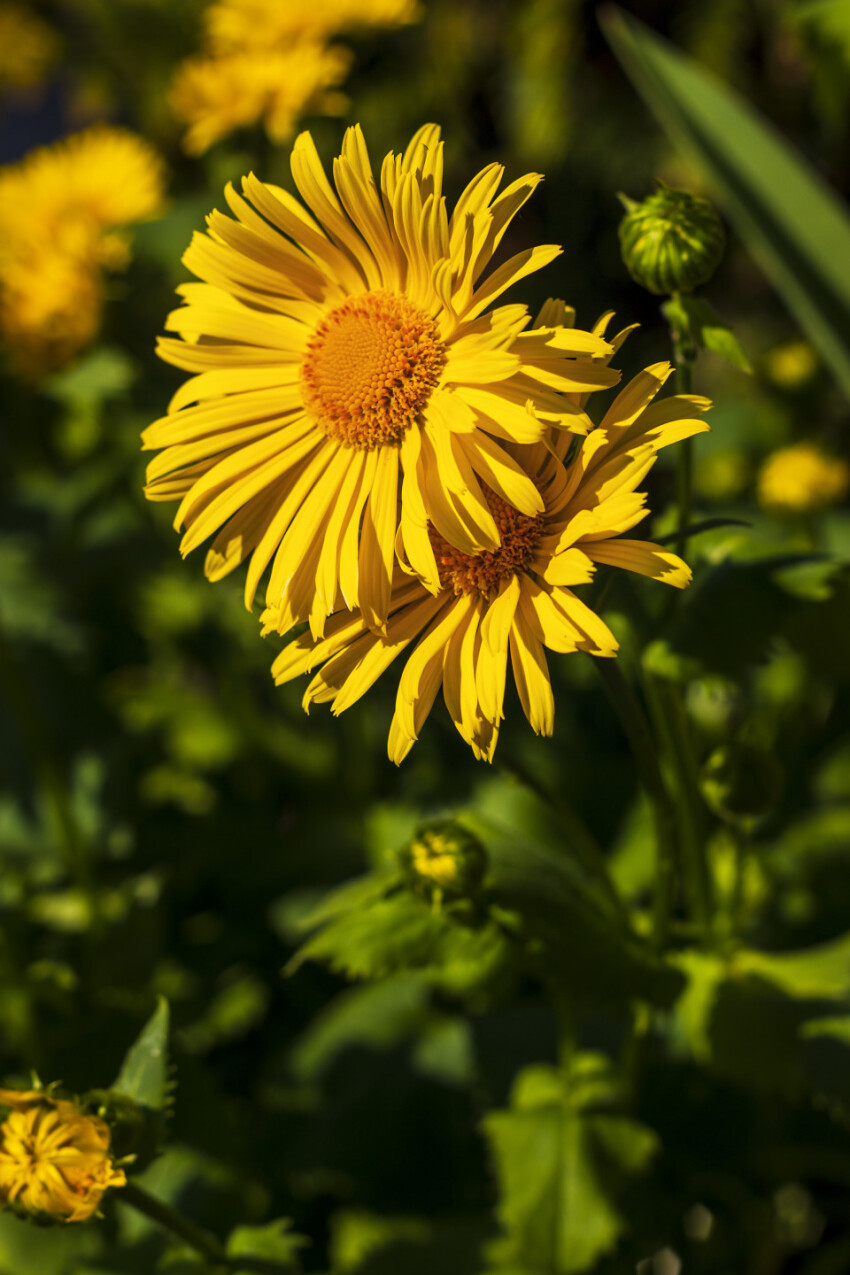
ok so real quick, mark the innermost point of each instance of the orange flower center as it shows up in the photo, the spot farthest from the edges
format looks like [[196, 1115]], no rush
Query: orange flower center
[[482, 573], [370, 368]]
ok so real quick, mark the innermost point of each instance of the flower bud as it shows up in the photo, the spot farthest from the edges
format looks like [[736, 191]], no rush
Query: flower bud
[[445, 857], [55, 1161], [740, 781], [671, 242]]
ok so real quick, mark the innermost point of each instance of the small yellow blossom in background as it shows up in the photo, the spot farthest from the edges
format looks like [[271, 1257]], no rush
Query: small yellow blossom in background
[[50, 307], [517, 601], [237, 25], [352, 352], [28, 48], [791, 364], [62, 208], [54, 1160], [216, 95], [802, 480], [269, 61]]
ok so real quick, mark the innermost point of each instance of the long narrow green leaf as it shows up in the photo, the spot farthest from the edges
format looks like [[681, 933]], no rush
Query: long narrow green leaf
[[794, 225]]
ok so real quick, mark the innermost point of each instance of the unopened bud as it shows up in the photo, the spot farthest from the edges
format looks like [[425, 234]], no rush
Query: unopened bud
[[671, 242], [444, 856], [740, 781]]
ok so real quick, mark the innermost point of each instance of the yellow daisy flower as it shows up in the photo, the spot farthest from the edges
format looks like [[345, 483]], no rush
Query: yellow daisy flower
[[216, 95], [54, 1160], [50, 308], [346, 348], [65, 196], [61, 209], [256, 24], [802, 479], [515, 601]]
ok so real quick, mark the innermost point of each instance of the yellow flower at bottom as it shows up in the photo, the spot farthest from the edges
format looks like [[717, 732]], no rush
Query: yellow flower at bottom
[[216, 95], [54, 1160], [518, 600], [802, 480]]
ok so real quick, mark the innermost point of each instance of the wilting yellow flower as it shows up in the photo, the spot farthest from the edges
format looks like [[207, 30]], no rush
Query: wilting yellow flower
[[347, 350], [50, 307], [54, 1160], [517, 600], [259, 24], [802, 480], [61, 208], [28, 48], [216, 95]]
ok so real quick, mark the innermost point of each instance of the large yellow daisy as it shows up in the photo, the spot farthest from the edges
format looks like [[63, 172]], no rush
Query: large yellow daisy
[[346, 352], [517, 601]]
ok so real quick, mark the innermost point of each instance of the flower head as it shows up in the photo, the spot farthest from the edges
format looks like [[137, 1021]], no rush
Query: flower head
[[349, 356], [671, 242], [802, 480], [215, 95], [61, 210], [444, 856], [518, 600], [54, 1159], [250, 24]]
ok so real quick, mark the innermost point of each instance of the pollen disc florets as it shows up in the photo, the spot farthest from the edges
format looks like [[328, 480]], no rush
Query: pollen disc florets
[[482, 573], [370, 368]]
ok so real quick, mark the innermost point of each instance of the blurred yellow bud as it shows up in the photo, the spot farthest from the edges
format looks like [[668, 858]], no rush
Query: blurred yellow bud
[[791, 364], [802, 480], [722, 475], [671, 242], [54, 1159]]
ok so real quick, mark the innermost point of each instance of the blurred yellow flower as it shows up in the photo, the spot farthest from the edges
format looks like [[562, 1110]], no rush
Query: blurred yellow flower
[[517, 600], [54, 1160], [61, 209], [346, 354], [236, 25], [50, 307], [28, 48], [802, 480], [215, 95], [791, 364], [67, 195]]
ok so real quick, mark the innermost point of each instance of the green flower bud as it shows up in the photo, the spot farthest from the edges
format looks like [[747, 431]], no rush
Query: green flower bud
[[740, 781], [671, 242], [445, 857]]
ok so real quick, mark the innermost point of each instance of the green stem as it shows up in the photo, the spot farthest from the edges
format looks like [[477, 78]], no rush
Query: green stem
[[668, 714], [579, 836], [203, 1242], [168, 1219], [683, 358], [642, 742]]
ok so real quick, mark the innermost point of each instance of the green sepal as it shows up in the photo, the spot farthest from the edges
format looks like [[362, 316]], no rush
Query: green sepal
[[702, 327]]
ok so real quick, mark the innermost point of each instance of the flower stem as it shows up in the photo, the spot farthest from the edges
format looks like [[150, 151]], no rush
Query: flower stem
[[175, 1223], [642, 742], [203, 1242], [683, 358]]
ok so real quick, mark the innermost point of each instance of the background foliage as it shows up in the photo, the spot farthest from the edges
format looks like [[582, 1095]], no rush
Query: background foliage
[[516, 1085]]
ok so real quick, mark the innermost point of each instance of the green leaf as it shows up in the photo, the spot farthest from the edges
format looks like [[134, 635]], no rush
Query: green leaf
[[794, 225], [702, 325], [356, 1235], [274, 1243], [564, 1156], [144, 1072]]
